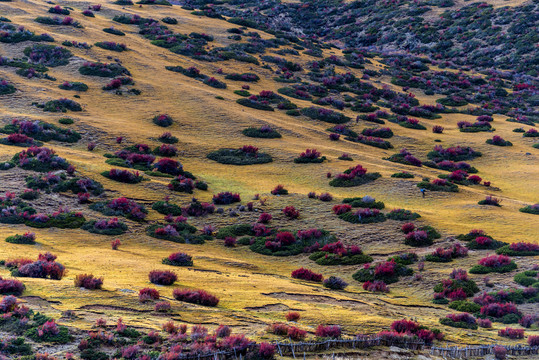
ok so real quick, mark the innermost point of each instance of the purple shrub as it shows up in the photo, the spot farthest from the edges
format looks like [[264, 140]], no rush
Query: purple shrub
[[162, 277]]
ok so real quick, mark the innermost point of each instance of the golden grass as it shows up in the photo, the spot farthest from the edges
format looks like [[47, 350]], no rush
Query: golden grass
[[203, 124]]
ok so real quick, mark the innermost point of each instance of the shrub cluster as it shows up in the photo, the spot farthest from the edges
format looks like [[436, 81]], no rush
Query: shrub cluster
[[199, 297], [246, 155]]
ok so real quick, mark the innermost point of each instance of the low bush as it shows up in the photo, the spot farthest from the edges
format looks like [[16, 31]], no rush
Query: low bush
[[148, 294], [75, 86], [530, 209], [167, 138], [388, 272], [48, 55], [44, 267], [28, 238], [499, 141], [310, 156], [325, 115], [199, 297], [423, 236], [11, 287], [338, 254], [291, 212], [405, 157], [364, 202], [292, 316], [50, 332], [376, 286], [494, 263], [279, 190], [121, 207], [113, 31], [111, 45], [306, 274], [62, 105], [330, 331], [124, 176], [335, 283], [246, 155], [178, 259], [519, 249], [226, 198], [88, 281], [511, 333], [363, 216], [161, 277], [402, 215], [354, 176], [457, 153], [103, 70], [438, 185], [105, 227], [463, 320], [402, 175], [447, 255], [491, 201]]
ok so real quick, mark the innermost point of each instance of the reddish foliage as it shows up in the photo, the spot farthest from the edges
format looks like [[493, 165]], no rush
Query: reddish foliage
[[162, 277], [330, 331], [292, 316], [291, 212], [199, 297], [88, 281], [306, 274], [148, 294]]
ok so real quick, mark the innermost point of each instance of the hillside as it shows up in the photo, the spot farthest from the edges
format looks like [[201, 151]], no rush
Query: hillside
[[188, 64]]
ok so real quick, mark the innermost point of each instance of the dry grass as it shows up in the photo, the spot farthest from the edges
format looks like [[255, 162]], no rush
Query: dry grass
[[239, 277]]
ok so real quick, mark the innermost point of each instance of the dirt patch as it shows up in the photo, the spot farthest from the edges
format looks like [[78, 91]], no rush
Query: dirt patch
[[321, 299], [112, 307], [271, 307]]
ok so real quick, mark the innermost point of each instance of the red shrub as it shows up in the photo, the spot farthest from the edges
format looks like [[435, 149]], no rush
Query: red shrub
[[296, 334], [160, 277], [408, 228], [162, 306], [291, 212], [199, 297], [278, 329], [495, 261], [279, 190], [498, 310], [264, 218], [115, 244], [230, 241], [306, 274], [533, 340], [88, 281], [500, 352], [404, 326], [11, 287], [375, 286], [330, 331], [341, 209], [484, 323], [266, 350], [148, 294], [292, 316], [223, 331], [511, 333]]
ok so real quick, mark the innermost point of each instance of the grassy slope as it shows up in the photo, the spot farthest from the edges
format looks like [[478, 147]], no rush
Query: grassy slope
[[204, 123]]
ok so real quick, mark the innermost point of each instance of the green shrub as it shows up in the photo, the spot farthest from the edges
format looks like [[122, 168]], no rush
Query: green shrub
[[403, 175], [465, 306], [238, 157], [166, 208]]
